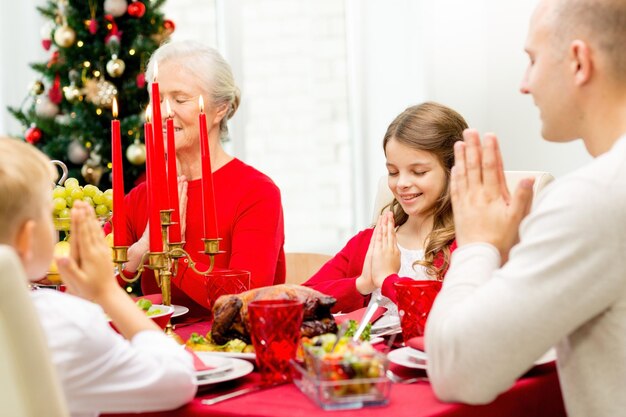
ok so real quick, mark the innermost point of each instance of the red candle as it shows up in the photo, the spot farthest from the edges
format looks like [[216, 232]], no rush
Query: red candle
[[159, 148], [208, 198], [172, 176], [119, 214], [154, 215]]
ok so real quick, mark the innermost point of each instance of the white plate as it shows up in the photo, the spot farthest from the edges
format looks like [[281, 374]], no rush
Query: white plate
[[416, 359], [386, 322], [375, 340], [218, 364], [179, 310], [235, 355], [240, 368], [388, 331], [408, 357]]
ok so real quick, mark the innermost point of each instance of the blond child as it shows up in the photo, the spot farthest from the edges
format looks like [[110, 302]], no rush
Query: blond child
[[99, 370]]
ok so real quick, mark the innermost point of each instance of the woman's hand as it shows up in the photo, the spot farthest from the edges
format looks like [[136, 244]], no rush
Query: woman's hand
[[385, 254], [88, 271], [137, 250], [364, 283]]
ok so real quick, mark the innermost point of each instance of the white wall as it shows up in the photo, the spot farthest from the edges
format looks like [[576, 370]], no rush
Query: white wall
[[386, 75], [20, 44]]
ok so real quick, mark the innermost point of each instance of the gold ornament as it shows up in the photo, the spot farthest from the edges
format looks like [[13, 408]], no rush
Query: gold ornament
[[136, 153], [71, 92], [92, 172], [100, 92], [37, 87], [116, 67], [64, 36]]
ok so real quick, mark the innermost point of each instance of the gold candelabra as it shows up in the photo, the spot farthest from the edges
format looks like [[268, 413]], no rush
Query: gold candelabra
[[164, 264]]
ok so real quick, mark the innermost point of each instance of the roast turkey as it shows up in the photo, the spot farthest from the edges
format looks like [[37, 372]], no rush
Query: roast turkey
[[230, 312]]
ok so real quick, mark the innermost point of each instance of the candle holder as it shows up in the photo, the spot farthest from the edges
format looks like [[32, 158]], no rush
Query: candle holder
[[165, 264]]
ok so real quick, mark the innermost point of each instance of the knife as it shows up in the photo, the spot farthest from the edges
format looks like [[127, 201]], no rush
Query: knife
[[371, 309]]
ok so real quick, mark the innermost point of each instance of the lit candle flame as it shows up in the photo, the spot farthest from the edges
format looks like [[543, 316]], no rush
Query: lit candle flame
[[156, 72], [168, 108], [148, 114], [201, 104], [115, 107]]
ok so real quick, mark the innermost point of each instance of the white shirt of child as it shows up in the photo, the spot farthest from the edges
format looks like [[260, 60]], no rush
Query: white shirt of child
[[100, 371]]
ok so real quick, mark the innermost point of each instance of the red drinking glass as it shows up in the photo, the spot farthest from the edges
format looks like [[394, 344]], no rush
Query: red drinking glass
[[275, 333], [226, 282], [415, 299]]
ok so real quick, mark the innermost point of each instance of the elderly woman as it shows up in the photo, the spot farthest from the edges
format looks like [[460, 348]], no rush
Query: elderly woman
[[248, 203]]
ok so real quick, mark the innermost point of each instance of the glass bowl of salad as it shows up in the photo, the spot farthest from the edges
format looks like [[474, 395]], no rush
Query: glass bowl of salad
[[342, 374]]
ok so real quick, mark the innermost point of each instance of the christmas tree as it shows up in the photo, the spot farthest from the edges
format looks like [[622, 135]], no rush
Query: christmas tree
[[98, 52]]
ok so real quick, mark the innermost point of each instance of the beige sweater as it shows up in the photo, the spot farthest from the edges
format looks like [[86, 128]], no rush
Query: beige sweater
[[564, 285]]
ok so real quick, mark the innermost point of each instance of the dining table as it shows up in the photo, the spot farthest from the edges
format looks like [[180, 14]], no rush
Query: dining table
[[535, 394]]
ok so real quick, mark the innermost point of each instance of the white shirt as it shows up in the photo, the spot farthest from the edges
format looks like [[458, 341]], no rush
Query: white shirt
[[100, 371], [564, 285]]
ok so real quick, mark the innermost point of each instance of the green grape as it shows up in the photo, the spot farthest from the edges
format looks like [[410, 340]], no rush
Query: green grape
[[77, 193], [144, 304], [89, 201], [108, 200], [58, 204], [90, 190], [64, 214], [108, 191], [70, 201], [98, 198], [59, 192], [102, 210], [71, 183]]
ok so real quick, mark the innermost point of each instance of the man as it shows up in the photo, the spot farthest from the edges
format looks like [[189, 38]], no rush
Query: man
[[564, 283]]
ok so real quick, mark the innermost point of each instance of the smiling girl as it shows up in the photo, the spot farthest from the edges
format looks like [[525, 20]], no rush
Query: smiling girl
[[417, 227]]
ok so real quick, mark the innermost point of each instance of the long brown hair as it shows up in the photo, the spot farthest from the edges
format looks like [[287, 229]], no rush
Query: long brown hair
[[433, 128]]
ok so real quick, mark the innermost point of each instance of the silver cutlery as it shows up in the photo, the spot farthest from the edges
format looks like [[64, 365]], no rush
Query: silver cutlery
[[230, 395], [214, 375], [401, 380], [371, 309]]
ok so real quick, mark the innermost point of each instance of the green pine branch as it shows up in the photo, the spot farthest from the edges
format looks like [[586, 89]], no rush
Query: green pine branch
[[81, 120]]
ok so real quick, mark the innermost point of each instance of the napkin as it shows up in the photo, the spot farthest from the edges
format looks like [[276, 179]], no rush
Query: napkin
[[197, 362], [358, 315], [416, 343]]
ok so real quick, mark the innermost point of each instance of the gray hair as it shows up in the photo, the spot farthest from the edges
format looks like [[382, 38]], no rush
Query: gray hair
[[209, 67]]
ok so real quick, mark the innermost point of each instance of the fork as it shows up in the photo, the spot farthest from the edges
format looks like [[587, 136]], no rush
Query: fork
[[401, 380]]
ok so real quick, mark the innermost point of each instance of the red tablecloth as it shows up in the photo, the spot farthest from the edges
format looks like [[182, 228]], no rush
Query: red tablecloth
[[536, 394]]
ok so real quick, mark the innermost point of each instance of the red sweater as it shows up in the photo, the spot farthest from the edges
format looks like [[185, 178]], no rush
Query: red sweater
[[250, 224], [338, 276]]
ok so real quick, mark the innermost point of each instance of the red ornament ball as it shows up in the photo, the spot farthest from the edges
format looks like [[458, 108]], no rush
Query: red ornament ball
[[92, 26], [136, 9], [141, 80], [169, 26], [33, 135]]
